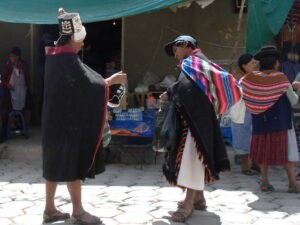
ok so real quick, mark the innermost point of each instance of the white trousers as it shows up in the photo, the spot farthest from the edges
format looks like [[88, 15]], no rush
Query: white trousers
[[192, 170]]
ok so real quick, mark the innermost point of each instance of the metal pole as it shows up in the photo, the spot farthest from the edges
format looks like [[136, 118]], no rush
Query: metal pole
[[123, 44], [31, 51]]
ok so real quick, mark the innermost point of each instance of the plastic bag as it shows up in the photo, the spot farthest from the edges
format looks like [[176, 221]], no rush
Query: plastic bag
[[106, 135], [237, 112]]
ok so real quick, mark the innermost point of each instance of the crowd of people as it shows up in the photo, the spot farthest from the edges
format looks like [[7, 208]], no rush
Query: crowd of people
[[77, 96]]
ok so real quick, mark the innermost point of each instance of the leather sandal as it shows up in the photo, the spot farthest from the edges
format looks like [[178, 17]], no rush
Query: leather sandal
[[267, 188], [294, 189], [93, 220], [55, 216], [298, 176], [249, 172], [200, 205], [183, 213]]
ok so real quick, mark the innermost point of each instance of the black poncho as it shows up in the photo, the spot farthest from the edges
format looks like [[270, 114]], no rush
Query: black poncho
[[74, 110]]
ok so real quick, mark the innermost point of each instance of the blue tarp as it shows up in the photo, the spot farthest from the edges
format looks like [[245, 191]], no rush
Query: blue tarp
[[45, 11]]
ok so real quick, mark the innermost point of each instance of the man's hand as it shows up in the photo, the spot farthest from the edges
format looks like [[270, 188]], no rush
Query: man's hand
[[164, 96], [117, 78], [296, 85]]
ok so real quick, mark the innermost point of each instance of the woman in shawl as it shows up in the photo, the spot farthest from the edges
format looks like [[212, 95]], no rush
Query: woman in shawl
[[74, 115], [198, 154], [268, 95], [241, 131]]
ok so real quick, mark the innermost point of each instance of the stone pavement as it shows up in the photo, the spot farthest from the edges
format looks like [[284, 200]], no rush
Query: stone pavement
[[131, 194]]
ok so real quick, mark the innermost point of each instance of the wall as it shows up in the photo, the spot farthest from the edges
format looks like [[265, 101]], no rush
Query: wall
[[145, 35], [14, 35]]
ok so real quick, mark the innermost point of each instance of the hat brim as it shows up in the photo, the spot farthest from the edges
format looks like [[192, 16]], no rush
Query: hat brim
[[169, 48], [263, 54]]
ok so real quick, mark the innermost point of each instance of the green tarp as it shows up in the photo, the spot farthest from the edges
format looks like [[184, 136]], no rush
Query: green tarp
[[45, 11], [265, 18]]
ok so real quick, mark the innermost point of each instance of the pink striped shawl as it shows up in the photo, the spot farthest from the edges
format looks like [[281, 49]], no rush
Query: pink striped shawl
[[220, 86], [261, 90]]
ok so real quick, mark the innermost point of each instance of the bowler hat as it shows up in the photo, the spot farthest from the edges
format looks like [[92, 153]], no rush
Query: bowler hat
[[15, 51], [268, 50]]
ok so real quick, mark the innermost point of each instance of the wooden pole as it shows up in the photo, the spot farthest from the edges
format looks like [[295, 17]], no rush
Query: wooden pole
[[238, 29]]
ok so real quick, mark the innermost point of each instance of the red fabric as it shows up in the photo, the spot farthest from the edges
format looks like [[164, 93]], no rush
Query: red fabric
[[269, 149], [59, 50]]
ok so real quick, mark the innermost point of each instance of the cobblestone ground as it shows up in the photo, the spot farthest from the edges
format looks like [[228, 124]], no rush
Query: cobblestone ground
[[128, 194]]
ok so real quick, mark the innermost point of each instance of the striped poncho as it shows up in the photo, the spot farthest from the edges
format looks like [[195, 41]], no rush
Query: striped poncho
[[261, 90], [220, 86]]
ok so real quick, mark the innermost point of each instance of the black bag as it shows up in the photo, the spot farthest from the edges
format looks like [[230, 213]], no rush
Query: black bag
[[166, 127]]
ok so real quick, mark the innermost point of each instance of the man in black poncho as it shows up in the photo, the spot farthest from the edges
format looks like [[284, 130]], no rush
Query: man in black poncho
[[197, 153], [74, 115]]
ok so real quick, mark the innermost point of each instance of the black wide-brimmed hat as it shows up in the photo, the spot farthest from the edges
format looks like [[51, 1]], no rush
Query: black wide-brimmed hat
[[268, 50], [169, 46]]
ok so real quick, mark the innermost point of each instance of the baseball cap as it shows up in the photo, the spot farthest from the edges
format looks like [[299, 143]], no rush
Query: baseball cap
[[169, 46]]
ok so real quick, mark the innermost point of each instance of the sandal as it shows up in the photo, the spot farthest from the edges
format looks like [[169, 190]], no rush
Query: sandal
[[55, 216], [183, 215], [267, 188], [93, 220], [255, 168], [200, 205], [294, 189], [249, 172], [298, 176]]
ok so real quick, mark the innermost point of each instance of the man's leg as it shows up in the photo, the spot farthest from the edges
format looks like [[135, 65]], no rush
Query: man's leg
[[199, 196], [51, 213], [189, 199], [50, 194], [79, 213]]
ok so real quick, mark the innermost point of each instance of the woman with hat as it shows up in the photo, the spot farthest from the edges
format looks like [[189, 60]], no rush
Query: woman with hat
[[74, 115], [268, 96], [242, 130]]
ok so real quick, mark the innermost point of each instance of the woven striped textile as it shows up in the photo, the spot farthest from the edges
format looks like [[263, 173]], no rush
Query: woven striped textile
[[261, 90], [220, 86]]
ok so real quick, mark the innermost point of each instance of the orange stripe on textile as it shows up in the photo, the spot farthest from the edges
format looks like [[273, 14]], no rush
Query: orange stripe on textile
[[220, 86], [261, 90]]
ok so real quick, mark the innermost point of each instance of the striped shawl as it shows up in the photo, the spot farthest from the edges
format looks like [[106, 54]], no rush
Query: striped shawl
[[220, 86], [261, 90]]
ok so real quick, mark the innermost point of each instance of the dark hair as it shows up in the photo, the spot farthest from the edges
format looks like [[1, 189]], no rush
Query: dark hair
[[268, 62], [181, 43], [243, 60], [16, 51], [63, 40]]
